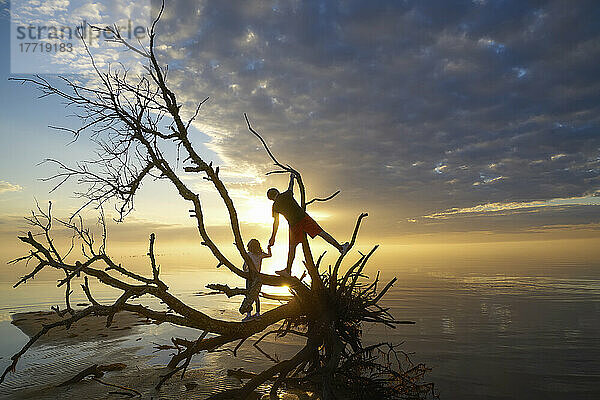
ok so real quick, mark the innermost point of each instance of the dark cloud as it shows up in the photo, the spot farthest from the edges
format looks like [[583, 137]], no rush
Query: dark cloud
[[414, 105]]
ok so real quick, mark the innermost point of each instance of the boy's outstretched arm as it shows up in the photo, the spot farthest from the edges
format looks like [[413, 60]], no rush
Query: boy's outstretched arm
[[291, 185], [275, 227]]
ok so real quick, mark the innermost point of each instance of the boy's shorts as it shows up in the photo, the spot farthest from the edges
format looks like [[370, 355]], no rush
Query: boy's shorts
[[305, 225]]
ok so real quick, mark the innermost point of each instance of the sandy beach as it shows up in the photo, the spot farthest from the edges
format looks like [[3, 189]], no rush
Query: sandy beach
[[89, 328]]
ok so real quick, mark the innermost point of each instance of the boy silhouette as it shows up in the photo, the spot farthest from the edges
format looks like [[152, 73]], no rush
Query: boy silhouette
[[300, 223]]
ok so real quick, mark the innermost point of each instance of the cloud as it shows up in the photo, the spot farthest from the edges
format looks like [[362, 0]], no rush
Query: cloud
[[498, 208], [401, 97], [9, 187], [408, 107]]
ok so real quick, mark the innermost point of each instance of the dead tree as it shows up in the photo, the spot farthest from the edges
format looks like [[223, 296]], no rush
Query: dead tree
[[124, 116]]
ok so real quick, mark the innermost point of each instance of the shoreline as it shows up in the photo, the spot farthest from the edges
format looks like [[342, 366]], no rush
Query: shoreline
[[62, 354]]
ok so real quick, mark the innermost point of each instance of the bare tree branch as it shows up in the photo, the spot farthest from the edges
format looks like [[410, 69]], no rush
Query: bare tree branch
[[124, 116]]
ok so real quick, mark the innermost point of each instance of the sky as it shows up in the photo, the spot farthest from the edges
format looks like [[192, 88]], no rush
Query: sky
[[447, 121]]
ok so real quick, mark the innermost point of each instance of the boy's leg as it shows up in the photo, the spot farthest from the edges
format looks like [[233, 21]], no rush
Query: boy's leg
[[342, 248], [291, 257], [330, 239], [290, 260]]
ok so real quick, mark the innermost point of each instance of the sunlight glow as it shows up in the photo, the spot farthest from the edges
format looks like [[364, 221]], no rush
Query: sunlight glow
[[256, 210], [276, 290]]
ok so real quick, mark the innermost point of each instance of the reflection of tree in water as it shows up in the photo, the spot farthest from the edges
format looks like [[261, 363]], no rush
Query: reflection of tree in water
[[123, 117]]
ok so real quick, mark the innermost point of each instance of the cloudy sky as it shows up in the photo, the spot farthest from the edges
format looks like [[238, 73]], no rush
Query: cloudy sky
[[439, 118]]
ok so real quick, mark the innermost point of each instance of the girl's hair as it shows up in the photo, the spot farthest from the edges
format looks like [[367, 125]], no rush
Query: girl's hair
[[254, 246]]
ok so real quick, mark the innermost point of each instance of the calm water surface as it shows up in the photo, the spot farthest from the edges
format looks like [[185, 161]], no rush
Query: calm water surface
[[496, 329]]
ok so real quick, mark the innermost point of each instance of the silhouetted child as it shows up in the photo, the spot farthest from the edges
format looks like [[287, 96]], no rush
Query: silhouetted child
[[300, 224], [253, 283]]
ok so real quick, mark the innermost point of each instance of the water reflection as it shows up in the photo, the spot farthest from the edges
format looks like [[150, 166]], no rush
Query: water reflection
[[502, 336], [488, 330]]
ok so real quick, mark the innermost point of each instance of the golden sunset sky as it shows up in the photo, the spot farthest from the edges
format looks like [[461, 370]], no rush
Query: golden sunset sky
[[462, 128]]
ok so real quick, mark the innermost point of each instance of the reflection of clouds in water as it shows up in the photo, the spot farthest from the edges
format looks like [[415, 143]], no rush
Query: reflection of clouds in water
[[484, 309], [502, 315], [530, 285], [448, 326], [572, 334], [469, 329]]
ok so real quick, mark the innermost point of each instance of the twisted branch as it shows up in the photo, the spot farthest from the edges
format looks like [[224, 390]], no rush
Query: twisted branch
[[124, 118]]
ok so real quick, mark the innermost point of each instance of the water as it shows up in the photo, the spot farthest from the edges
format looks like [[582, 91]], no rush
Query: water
[[503, 327], [504, 337]]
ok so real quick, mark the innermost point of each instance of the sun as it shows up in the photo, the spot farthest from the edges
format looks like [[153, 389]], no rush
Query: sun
[[256, 210]]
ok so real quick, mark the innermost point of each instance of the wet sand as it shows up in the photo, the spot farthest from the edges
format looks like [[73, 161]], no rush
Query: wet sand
[[89, 328], [62, 353]]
